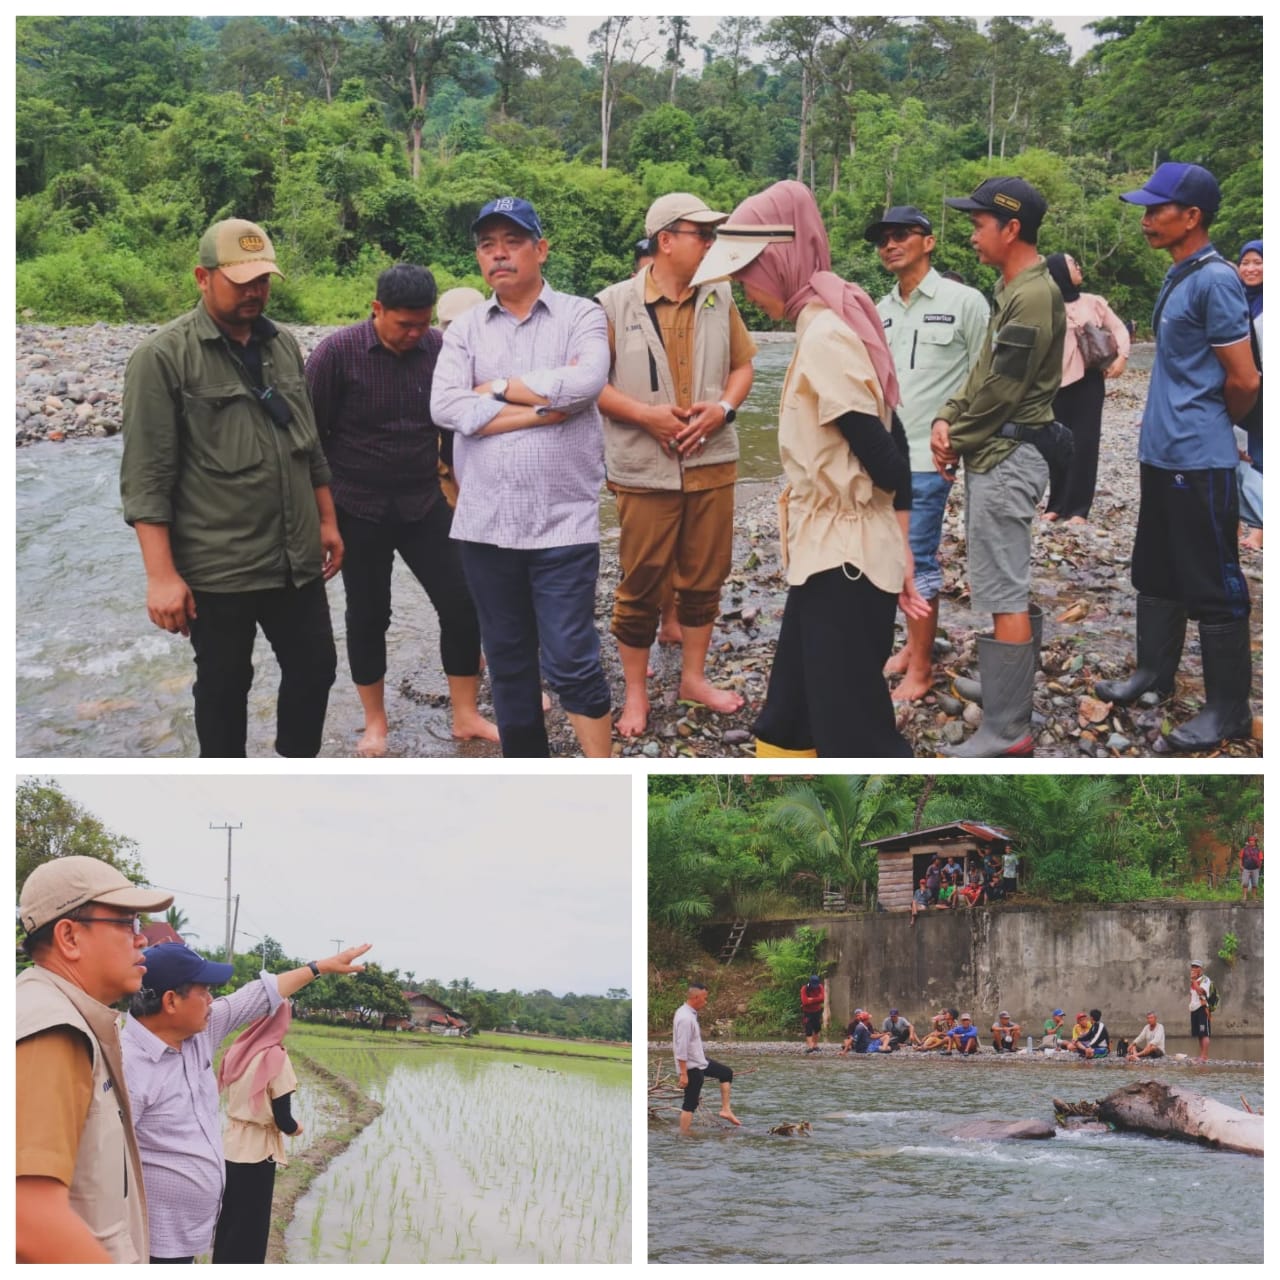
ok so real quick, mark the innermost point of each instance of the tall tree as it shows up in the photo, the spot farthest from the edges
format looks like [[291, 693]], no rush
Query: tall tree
[[800, 42], [676, 31], [622, 46], [320, 43], [514, 45], [732, 42]]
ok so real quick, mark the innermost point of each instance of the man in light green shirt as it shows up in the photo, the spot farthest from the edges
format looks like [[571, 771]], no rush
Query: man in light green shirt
[[935, 329]]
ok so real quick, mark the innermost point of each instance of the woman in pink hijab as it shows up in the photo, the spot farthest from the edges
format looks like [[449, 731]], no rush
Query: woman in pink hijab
[[844, 513], [257, 1078]]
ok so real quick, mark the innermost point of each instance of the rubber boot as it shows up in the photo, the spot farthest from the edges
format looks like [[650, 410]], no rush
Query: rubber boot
[[1008, 672], [971, 690], [1162, 627], [1228, 671], [764, 749]]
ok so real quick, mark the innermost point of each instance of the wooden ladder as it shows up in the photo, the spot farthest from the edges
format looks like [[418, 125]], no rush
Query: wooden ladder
[[731, 944]]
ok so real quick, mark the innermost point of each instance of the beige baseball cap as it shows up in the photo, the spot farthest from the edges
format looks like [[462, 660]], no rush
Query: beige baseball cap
[[454, 302], [241, 250], [60, 885], [679, 206], [739, 246]]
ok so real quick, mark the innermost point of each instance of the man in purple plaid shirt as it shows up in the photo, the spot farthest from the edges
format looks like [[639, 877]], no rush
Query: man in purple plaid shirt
[[517, 382]]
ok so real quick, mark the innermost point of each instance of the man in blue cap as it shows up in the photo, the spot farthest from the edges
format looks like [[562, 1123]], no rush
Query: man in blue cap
[[1186, 561], [517, 382], [935, 329], [169, 1040]]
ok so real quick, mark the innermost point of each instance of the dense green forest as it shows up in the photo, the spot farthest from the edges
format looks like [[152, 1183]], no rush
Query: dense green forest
[[752, 847], [49, 824], [359, 142]]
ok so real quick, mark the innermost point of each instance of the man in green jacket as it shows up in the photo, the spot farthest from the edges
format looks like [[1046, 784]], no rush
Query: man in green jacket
[[993, 424], [224, 482]]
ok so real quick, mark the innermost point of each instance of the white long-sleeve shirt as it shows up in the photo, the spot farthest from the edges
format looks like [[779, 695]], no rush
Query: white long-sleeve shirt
[[686, 1038]]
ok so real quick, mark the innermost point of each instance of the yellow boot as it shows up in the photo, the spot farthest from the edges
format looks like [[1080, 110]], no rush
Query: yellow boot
[[764, 749]]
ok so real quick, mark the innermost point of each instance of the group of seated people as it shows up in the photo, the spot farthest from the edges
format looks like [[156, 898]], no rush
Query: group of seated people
[[951, 884], [954, 1032]]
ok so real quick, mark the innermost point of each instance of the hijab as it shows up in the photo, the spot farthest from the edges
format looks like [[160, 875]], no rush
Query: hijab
[[1061, 273], [799, 272], [1252, 291], [259, 1046]]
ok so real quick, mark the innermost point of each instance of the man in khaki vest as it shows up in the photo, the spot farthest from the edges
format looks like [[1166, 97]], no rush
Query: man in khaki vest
[[79, 1179], [681, 369]]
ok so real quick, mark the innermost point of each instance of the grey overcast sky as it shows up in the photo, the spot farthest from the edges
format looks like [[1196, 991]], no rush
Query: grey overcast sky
[[512, 881], [577, 30]]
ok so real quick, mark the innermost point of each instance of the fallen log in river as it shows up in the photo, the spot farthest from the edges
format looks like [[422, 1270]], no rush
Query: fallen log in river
[[1167, 1111]]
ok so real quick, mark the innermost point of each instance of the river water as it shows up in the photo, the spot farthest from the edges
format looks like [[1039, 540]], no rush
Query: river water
[[880, 1180]]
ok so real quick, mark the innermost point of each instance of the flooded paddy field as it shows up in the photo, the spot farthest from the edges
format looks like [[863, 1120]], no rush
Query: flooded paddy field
[[476, 1157], [880, 1179]]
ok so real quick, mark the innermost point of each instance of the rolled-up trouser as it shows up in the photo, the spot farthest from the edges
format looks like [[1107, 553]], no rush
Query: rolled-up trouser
[[693, 1090], [682, 540]]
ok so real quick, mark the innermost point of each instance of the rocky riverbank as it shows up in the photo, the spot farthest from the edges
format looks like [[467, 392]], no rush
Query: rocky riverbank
[[69, 384]]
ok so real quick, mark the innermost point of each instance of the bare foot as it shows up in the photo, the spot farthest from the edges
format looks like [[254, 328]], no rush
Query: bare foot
[[635, 715], [1049, 515], [546, 702], [373, 743], [702, 690], [913, 687], [1078, 520], [471, 724], [897, 665], [726, 1114], [1252, 541]]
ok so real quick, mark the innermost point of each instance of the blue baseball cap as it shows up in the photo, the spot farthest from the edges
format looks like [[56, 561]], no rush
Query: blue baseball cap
[[1057, 1013], [521, 212], [173, 964], [901, 215], [1188, 184]]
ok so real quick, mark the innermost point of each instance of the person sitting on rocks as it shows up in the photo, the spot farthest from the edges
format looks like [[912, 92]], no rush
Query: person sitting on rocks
[[941, 1027], [1005, 1033], [901, 1032], [1090, 1038], [1149, 1042], [963, 1039], [1056, 1030]]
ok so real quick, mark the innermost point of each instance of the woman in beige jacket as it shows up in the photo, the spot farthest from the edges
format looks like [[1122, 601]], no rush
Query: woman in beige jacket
[[1079, 401]]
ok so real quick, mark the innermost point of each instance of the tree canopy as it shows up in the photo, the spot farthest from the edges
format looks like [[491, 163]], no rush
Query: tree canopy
[[360, 141]]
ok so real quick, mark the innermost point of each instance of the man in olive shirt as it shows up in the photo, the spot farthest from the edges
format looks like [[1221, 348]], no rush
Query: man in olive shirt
[[993, 424], [227, 488]]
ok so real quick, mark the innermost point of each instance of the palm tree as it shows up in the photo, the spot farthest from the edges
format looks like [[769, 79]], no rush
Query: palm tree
[[176, 919], [830, 818]]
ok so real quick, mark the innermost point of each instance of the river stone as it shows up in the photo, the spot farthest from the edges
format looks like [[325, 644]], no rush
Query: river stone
[[953, 732], [1004, 1130], [972, 714], [38, 382], [952, 706], [735, 737], [650, 749], [1118, 742]]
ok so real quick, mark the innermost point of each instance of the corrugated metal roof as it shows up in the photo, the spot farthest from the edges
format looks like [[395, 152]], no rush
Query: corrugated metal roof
[[967, 826]]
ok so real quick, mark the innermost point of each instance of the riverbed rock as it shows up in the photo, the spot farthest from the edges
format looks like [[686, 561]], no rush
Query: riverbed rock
[[1004, 1130]]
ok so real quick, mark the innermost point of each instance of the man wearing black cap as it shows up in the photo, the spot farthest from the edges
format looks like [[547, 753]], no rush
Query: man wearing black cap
[[1186, 560], [74, 1130], [935, 330], [517, 382], [170, 1037], [225, 483], [994, 425]]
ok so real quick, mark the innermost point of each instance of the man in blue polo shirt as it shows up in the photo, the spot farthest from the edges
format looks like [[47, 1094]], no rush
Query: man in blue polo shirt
[[1185, 555]]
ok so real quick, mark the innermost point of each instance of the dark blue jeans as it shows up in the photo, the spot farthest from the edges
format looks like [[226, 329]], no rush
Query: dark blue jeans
[[537, 615], [296, 622]]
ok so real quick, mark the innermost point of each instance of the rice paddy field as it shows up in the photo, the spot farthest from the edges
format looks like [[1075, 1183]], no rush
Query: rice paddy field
[[482, 1153]]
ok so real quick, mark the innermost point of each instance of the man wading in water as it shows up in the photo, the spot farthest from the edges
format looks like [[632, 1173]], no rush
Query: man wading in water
[[692, 1063]]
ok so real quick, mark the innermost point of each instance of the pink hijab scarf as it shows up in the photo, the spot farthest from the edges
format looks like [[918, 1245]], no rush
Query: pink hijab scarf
[[260, 1040], [800, 272]]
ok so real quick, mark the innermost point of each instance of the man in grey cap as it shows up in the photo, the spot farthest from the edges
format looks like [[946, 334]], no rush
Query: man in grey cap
[[999, 423], [1186, 561], [74, 1125], [517, 383], [935, 329], [170, 1038], [225, 484], [681, 368]]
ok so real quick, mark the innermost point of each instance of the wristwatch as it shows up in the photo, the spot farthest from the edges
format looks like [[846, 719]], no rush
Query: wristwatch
[[498, 389], [730, 413], [315, 968]]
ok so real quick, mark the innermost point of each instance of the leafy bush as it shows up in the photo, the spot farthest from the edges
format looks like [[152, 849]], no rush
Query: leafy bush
[[790, 961]]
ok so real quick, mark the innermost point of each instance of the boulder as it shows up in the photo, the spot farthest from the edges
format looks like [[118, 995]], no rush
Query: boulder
[[1003, 1130]]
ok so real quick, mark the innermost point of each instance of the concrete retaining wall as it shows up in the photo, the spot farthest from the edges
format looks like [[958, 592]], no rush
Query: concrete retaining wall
[[1123, 960]]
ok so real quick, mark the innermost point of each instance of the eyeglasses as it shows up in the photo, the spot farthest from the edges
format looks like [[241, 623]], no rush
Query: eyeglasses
[[703, 233], [899, 235], [132, 923]]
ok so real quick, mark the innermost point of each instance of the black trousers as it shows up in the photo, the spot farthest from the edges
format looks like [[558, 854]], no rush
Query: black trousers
[[1079, 407], [827, 689], [245, 1221], [296, 622], [1186, 545], [433, 558]]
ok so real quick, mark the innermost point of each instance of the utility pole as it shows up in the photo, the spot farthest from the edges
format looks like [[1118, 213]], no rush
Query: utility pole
[[338, 941], [228, 828]]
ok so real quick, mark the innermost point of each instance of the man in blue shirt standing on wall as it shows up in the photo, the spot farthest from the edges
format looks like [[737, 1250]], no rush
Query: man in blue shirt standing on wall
[[1185, 555]]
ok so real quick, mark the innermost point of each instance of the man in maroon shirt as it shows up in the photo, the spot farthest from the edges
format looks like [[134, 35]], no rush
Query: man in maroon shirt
[[371, 388]]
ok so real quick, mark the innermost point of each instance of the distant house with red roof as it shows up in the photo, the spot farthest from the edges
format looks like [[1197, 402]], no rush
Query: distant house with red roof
[[904, 857]]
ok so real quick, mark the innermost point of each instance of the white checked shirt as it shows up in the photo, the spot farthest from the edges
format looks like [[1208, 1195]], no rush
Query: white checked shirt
[[174, 1098], [539, 487]]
